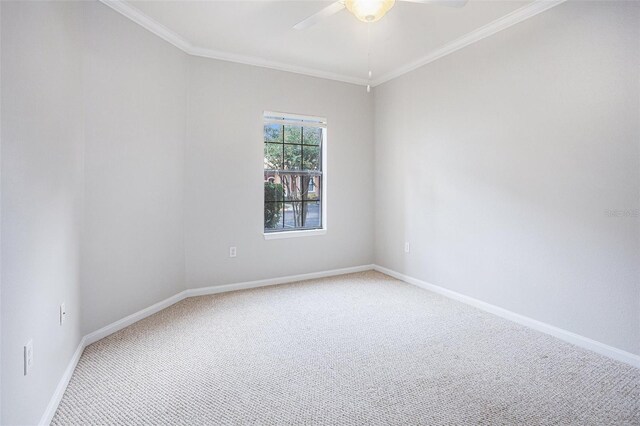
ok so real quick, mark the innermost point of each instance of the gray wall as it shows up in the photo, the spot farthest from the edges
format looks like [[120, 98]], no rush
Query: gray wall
[[42, 149], [224, 177], [135, 102], [0, 214], [498, 163], [95, 161], [92, 162]]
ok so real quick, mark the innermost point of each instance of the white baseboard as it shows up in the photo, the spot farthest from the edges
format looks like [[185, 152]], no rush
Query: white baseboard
[[137, 316], [62, 386], [202, 291], [130, 319], [567, 336], [93, 337], [274, 281]]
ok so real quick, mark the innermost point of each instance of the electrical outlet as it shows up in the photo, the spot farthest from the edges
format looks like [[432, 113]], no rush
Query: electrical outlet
[[407, 247], [232, 252], [28, 357], [63, 314]]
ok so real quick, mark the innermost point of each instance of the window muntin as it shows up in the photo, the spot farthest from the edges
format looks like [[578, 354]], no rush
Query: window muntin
[[293, 172]]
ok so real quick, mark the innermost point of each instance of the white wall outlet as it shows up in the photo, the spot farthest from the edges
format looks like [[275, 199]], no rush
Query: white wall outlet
[[63, 313], [407, 247], [28, 357], [232, 252]]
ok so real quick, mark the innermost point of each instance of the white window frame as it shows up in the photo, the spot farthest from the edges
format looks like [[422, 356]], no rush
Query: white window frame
[[272, 117]]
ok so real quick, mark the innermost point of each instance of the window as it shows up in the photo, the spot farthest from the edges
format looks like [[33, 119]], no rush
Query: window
[[294, 147]]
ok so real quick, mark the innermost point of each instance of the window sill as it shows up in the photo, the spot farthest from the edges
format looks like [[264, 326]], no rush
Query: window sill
[[293, 234]]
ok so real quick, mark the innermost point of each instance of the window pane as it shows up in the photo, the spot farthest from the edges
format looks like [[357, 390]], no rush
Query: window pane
[[272, 133], [298, 187], [291, 187], [292, 134], [273, 190], [313, 187], [312, 135], [302, 215], [311, 213], [272, 156], [292, 158], [292, 215], [272, 216], [311, 160], [292, 175]]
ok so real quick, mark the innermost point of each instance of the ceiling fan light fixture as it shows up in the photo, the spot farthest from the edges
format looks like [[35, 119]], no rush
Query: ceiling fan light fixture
[[369, 10]]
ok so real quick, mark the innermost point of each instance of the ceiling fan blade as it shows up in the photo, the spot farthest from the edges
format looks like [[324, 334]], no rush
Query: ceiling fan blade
[[449, 3], [332, 9]]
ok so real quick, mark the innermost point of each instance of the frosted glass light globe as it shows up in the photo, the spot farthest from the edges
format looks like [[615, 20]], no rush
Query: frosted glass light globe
[[369, 10]]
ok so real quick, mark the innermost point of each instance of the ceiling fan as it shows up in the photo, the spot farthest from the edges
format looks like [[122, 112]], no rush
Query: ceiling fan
[[366, 10]]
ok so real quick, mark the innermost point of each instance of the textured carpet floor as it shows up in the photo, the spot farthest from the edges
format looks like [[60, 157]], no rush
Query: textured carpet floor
[[356, 349]]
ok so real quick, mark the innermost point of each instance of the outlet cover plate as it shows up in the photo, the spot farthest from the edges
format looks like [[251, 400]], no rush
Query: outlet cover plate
[[63, 313], [28, 357]]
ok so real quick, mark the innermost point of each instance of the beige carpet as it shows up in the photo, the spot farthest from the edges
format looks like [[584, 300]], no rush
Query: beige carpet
[[355, 349]]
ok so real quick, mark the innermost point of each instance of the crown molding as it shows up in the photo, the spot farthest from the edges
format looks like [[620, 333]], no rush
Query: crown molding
[[513, 18], [129, 11], [280, 66], [147, 23], [508, 20]]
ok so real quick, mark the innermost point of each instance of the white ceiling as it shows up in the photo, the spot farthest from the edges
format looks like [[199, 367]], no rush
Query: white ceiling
[[261, 33]]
